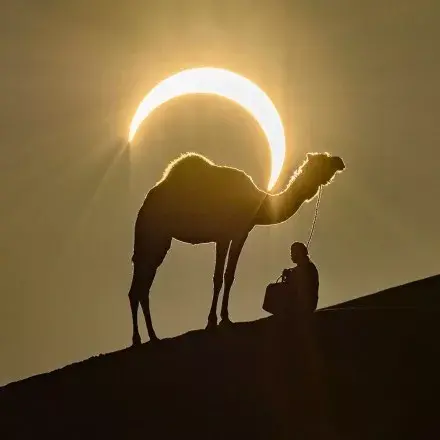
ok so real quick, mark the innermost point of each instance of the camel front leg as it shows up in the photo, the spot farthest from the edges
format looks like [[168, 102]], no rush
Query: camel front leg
[[221, 250], [234, 255]]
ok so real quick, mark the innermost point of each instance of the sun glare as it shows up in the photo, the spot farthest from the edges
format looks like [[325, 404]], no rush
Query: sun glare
[[221, 82]]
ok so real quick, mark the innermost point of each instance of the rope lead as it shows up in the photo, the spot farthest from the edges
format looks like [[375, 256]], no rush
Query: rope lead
[[312, 230]]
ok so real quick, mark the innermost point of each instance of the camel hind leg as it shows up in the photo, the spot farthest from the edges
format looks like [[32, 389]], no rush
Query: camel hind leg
[[134, 306], [144, 272], [220, 258]]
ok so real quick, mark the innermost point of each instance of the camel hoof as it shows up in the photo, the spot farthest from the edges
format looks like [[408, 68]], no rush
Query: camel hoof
[[212, 325], [136, 340], [154, 339], [226, 322]]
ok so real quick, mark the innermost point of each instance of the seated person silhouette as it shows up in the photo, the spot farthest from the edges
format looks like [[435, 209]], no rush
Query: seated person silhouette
[[297, 294]]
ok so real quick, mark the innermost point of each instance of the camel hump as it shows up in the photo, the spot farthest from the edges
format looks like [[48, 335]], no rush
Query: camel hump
[[187, 163], [193, 170]]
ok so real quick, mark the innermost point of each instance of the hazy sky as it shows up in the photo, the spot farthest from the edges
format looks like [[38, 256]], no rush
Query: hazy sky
[[357, 79]]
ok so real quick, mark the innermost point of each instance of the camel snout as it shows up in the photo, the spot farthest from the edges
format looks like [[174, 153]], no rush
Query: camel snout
[[339, 163]]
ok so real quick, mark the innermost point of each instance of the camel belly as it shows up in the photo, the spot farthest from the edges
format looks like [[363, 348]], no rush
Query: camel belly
[[198, 230]]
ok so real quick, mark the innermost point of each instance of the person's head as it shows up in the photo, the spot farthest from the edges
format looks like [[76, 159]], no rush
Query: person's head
[[299, 252]]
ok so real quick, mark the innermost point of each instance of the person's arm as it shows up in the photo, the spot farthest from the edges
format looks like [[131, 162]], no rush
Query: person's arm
[[285, 274]]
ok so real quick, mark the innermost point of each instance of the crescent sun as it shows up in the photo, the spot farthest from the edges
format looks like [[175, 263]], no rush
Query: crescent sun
[[221, 82]]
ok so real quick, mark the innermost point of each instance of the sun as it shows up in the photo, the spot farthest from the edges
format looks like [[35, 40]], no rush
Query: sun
[[221, 82]]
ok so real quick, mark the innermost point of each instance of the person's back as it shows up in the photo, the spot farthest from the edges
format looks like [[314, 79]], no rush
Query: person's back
[[302, 281]]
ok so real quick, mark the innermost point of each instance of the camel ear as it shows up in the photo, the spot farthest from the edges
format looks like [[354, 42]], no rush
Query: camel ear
[[310, 155]]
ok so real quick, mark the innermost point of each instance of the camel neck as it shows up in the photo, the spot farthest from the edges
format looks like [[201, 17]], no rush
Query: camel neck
[[277, 208]]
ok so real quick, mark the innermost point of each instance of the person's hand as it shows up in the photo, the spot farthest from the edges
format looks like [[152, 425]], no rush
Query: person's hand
[[285, 273]]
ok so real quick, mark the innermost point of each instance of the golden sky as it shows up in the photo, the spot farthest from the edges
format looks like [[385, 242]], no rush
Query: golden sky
[[356, 80]]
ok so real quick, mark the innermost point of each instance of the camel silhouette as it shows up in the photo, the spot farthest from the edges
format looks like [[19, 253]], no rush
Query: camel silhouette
[[197, 202]]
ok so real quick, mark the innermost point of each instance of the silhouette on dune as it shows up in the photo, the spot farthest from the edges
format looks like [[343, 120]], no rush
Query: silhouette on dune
[[364, 373], [199, 202]]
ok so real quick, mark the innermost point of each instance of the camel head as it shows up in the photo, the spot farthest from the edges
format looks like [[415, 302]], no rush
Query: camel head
[[323, 167], [317, 169]]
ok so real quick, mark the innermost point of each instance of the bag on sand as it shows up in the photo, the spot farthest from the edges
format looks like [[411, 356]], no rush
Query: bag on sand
[[275, 299]]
